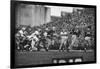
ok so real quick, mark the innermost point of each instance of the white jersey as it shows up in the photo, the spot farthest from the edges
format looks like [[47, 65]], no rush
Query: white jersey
[[21, 33], [36, 33], [33, 36], [45, 34], [36, 38], [63, 35]]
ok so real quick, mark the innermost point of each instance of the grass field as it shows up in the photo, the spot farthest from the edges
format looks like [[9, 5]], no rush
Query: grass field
[[42, 57]]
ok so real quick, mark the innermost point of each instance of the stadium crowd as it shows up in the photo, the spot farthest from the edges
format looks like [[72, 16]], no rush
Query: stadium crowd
[[72, 32]]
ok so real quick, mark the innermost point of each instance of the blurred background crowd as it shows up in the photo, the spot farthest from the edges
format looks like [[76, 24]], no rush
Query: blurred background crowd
[[71, 31]]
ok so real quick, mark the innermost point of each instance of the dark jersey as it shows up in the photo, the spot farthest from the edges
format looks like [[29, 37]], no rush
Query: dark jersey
[[76, 33], [51, 32], [88, 33]]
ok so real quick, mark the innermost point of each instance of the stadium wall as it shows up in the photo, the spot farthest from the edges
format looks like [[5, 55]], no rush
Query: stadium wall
[[33, 15]]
